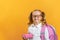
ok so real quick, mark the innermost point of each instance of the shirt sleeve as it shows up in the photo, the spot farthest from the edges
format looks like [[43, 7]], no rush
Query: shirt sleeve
[[29, 30], [46, 34]]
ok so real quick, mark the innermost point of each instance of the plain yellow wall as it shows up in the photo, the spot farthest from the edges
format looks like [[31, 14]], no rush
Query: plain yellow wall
[[14, 16]]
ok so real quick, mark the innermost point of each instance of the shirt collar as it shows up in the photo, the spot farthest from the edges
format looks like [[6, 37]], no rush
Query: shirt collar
[[38, 25]]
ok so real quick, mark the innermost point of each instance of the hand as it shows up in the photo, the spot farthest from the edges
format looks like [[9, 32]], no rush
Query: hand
[[24, 38]]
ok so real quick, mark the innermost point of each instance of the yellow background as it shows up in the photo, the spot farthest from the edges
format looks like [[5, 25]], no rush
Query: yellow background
[[14, 16]]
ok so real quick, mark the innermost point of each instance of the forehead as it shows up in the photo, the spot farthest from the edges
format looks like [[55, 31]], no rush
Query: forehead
[[36, 13]]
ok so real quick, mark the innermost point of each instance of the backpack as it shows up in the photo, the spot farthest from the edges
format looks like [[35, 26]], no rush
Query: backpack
[[52, 34]]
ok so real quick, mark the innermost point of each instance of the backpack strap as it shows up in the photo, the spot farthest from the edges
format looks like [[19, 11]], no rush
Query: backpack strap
[[43, 33]]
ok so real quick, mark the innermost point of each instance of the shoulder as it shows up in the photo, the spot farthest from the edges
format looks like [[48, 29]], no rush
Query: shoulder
[[30, 27], [51, 26]]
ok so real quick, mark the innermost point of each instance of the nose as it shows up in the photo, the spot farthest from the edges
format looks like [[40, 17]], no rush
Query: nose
[[35, 18]]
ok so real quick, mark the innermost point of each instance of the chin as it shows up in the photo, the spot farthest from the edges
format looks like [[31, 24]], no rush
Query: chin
[[36, 22]]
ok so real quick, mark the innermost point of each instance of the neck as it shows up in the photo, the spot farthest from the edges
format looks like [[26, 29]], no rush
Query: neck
[[36, 23]]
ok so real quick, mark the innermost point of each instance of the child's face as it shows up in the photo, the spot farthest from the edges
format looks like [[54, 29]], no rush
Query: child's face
[[36, 16]]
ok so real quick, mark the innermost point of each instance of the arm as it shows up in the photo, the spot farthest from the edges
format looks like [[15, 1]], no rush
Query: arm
[[24, 35], [30, 32], [51, 33]]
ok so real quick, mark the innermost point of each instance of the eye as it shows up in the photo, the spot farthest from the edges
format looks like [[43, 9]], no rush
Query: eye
[[36, 16]]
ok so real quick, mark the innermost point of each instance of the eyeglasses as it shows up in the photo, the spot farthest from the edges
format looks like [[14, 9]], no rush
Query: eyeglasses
[[34, 16]]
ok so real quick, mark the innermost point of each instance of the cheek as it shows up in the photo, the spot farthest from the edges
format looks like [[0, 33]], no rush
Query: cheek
[[33, 19], [40, 18]]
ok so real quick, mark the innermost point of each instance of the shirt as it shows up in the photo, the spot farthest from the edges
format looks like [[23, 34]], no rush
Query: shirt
[[36, 31]]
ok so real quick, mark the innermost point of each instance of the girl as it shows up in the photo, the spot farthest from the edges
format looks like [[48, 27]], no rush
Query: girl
[[36, 21]]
